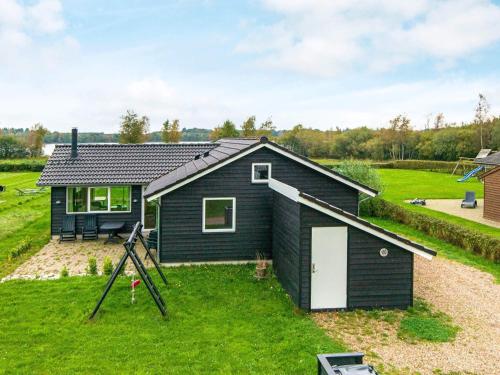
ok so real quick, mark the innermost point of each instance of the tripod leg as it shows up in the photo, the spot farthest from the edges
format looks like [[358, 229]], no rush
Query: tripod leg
[[148, 253], [112, 279], [156, 296]]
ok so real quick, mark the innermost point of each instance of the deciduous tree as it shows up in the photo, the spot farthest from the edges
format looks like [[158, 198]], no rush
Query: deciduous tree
[[226, 130], [134, 129], [170, 132], [248, 127], [482, 110], [35, 139]]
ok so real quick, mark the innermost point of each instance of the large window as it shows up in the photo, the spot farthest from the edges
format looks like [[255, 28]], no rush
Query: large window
[[261, 172], [77, 199], [219, 215], [98, 199]]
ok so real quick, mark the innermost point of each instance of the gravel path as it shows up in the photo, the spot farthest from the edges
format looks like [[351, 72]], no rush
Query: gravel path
[[49, 261], [469, 296], [452, 207]]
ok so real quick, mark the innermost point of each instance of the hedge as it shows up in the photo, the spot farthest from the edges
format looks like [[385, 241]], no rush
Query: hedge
[[486, 246], [427, 165], [424, 165], [22, 165]]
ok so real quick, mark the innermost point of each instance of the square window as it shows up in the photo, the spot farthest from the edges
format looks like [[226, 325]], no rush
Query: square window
[[261, 172], [98, 199], [219, 215], [120, 198]]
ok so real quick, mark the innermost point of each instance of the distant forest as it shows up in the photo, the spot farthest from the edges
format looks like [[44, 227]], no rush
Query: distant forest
[[188, 135], [440, 141]]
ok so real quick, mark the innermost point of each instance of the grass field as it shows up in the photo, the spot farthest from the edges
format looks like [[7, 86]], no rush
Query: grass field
[[21, 217], [222, 321], [401, 185]]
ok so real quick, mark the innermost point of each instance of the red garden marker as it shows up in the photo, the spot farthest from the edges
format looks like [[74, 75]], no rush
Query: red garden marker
[[135, 283]]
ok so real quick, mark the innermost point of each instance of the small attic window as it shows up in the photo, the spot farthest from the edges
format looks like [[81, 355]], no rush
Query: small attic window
[[261, 172]]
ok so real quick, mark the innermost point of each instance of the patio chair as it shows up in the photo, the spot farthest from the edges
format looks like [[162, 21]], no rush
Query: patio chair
[[89, 229], [20, 192], [152, 241], [68, 231], [470, 200]]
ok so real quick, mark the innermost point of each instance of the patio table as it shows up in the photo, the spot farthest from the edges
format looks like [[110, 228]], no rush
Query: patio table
[[113, 228]]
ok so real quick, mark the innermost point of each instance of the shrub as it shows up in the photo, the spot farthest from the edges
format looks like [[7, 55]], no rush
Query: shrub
[[21, 165], [486, 246], [360, 171], [20, 249], [107, 267], [92, 266], [64, 272]]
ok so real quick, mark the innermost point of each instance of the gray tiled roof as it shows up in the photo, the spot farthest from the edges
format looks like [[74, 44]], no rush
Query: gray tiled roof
[[224, 149], [493, 159], [116, 163], [228, 149]]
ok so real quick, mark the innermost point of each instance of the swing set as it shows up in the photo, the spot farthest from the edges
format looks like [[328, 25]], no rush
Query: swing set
[[130, 252]]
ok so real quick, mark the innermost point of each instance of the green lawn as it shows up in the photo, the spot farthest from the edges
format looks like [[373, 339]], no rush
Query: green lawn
[[401, 185], [21, 217], [221, 321]]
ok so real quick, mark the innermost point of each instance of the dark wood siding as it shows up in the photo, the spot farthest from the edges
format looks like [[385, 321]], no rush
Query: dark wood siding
[[375, 281], [372, 280], [59, 210], [286, 244], [181, 234], [492, 195]]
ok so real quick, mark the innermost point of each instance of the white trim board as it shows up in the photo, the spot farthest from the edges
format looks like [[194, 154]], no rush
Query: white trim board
[[253, 149], [365, 228], [293, 194]]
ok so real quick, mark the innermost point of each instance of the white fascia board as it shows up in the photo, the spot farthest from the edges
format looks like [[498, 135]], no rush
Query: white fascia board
[[365, 228], [284, 189]]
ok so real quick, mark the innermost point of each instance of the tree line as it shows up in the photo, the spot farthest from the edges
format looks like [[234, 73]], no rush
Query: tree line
[[22, 143], [398, 140]]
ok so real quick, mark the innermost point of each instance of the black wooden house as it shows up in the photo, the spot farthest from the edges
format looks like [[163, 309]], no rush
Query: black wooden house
[[227, 200]]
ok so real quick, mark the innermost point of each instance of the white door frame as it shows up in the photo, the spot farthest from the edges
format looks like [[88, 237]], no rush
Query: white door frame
[[329, 251]]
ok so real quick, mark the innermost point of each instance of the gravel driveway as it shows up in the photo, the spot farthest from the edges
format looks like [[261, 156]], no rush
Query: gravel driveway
[[469, 296]]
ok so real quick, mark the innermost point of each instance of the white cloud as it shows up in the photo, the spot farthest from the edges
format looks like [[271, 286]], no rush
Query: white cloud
[[323, 37], [46, 16], [21, 24]]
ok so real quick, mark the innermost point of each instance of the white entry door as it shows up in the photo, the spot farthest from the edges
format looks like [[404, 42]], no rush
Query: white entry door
[[329, 268]]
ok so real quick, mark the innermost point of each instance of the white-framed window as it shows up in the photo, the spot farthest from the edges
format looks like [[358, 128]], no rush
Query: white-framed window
[[219, 215], [261, 173], [98, 199]]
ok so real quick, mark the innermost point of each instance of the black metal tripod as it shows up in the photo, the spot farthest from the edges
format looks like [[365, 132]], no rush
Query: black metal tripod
[[136, 259]]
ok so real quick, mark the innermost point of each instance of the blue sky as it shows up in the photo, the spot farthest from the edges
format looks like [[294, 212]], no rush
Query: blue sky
[[317, 62]]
